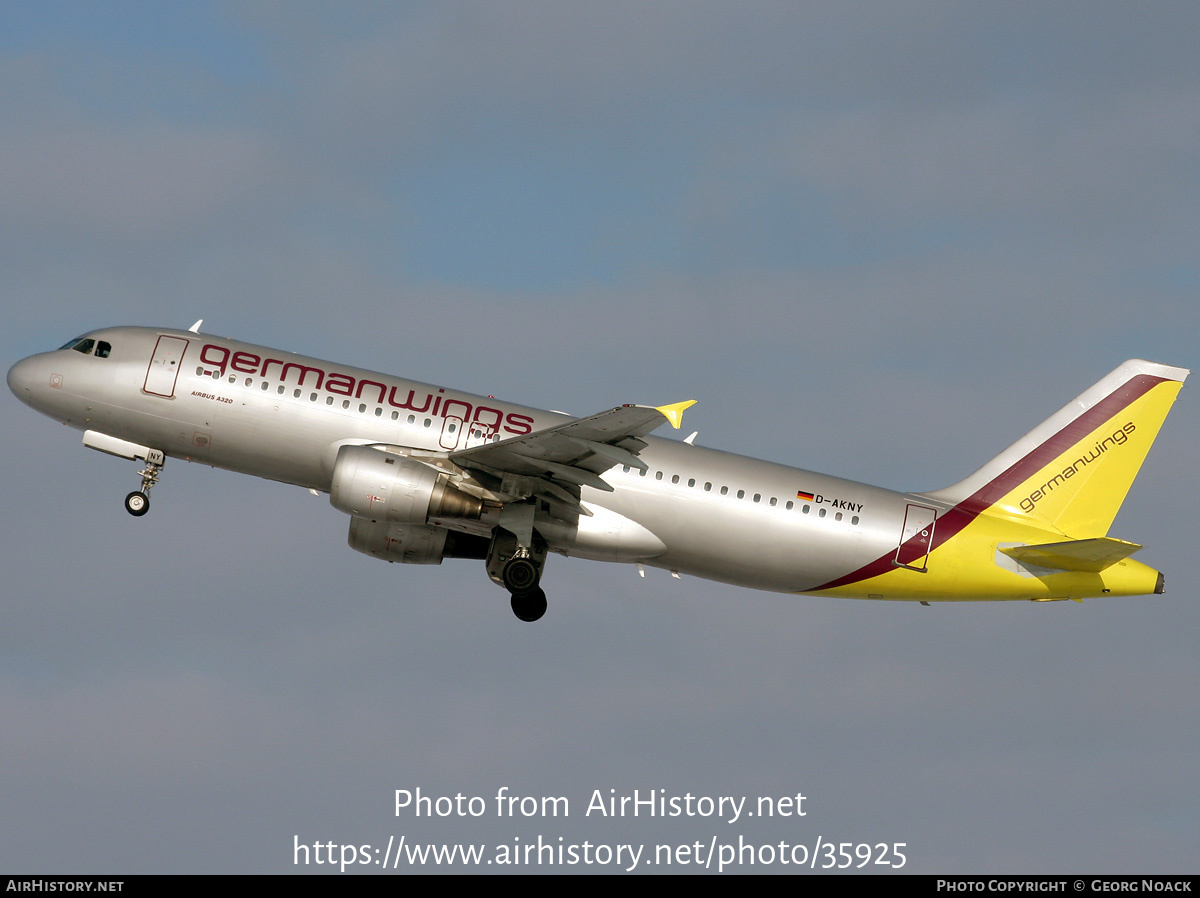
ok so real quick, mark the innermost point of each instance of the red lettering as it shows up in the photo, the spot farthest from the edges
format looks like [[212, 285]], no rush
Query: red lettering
[[366, 383], [267, 364], [217, 363], [342, 384], [489, 420], [246, 362], [409, 403], [303, 369], [521, 423], [489, 426]]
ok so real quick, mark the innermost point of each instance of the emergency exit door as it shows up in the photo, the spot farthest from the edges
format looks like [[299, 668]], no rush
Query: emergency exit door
[[916, 538], [164, 366]]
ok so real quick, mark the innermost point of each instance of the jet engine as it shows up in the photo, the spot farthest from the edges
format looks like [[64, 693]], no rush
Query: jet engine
[[412, 543], [395, 489]]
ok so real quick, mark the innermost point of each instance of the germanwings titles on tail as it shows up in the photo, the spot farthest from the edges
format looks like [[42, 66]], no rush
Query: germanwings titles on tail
[[427, 473]]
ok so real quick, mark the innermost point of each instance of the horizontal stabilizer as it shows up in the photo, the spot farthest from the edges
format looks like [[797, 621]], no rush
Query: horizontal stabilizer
[[1089, 555]]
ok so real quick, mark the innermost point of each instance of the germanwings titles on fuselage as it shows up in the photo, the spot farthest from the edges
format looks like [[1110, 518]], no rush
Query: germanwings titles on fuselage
[[427, 473], [220, 360]]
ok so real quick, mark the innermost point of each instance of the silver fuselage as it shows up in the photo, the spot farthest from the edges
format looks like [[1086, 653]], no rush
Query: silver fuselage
[[284, 416]]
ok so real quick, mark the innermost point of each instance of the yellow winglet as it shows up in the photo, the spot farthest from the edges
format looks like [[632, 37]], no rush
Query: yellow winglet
[[674, 413]]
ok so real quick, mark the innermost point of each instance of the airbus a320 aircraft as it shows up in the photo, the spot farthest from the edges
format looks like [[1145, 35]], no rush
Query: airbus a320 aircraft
[[427, 473]]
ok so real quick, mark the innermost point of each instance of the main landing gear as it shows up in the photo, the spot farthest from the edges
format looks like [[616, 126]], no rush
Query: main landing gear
[[529, 606], [521, 575], [138, 503], [518, 569]]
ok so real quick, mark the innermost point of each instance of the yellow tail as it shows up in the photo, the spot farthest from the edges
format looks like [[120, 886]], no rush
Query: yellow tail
[[1072, 472]]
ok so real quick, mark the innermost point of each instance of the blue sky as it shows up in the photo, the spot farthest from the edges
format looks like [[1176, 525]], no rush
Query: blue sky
[[878, 240]]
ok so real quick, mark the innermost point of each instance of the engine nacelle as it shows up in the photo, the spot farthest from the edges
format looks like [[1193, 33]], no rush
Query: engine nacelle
[[392, 488], [413, 543], [406, 543]]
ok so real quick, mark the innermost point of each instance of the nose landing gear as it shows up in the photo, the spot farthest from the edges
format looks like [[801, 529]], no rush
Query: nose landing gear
[[138, 503]]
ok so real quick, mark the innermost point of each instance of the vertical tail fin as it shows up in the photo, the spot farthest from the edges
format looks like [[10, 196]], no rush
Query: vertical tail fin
[[1072, 472]]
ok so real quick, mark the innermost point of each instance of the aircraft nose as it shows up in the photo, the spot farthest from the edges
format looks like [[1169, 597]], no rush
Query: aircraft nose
[[20, 379]]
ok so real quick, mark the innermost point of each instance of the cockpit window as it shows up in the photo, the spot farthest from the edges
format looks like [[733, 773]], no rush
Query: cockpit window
[[87, 344]]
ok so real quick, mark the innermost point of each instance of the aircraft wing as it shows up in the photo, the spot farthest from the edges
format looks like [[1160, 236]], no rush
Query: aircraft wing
[[556, 461]]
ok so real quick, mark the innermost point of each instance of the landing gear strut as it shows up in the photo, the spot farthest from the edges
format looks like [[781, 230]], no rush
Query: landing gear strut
[[138, 503]]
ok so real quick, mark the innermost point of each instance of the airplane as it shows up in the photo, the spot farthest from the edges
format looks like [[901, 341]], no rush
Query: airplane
[[428, 473]]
